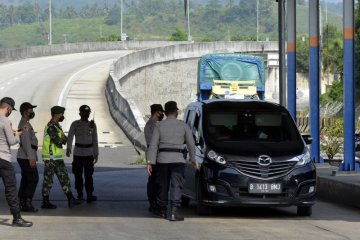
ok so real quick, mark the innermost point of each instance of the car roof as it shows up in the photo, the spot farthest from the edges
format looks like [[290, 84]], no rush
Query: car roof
[[233, 103]]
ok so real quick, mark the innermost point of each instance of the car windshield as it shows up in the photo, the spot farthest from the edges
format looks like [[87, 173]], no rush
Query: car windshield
[[252, 132]]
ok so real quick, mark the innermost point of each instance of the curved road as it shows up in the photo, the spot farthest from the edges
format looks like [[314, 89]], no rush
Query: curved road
[[67, 80]]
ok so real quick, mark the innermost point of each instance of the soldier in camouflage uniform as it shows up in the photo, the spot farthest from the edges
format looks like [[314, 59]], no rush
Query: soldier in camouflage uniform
[[52, 155], [27, 158], [86, 152]]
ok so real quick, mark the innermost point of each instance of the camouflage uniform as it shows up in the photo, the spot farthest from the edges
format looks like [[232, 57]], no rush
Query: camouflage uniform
[[56, 165]]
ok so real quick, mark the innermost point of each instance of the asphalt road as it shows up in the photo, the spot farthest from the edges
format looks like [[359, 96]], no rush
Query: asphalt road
[[121, 212]]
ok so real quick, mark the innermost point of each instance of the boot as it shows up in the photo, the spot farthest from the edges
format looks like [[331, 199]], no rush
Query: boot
[[80, 196], [174, 215], [47, 204], [71, 200], [28, 207], [19, 222], [160, 211], [91, 198]]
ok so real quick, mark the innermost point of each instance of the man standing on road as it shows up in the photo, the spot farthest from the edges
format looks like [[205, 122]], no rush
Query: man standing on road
[[157, 114], [9, 137], [167, 151], [27, 158], [52, 155], [86, 152]]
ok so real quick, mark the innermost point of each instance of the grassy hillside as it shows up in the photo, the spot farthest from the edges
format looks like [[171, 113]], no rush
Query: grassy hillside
[[159, 26]]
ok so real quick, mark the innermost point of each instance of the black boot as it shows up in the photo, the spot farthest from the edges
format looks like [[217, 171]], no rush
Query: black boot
[[47, 204], [19, 222], [91, 198], [174, 215], [160, 211], [71, 200], [80, 195], [28, 207]]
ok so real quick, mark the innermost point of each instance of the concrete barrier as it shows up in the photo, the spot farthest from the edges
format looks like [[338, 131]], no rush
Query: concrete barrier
[[124, 110], [7, 55]]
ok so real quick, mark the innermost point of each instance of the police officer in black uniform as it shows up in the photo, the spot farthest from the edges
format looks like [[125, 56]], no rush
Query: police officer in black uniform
[[86, 152], [167, 151], [157, 114], [27, 158]]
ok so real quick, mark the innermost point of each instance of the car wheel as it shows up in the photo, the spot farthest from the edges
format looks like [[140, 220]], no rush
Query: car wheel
[[185, 201], [304, 211], [201, 209]]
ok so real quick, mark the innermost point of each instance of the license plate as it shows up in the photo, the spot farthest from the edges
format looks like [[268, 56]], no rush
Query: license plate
[[266, 188]]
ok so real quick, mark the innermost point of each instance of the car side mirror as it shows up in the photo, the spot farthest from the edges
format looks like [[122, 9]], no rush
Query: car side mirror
[[307, 138]]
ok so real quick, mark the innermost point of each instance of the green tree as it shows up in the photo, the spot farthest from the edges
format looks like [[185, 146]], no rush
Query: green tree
[[178, 35], [302, 54]]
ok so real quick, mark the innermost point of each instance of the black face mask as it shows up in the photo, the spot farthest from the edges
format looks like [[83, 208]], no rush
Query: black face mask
[[61, 118], [161, 116], [8, 113], [31, 115], [84, 116]]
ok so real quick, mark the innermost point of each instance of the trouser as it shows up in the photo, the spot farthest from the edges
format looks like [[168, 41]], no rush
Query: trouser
[[58, 167], [152, 187], [29, 179], [84, 164], [7, 173], [170, 176]]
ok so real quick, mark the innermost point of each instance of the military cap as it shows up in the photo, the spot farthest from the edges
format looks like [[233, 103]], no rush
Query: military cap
[[9, 101], [171, 106], [85, 109], [57, 110], [156, 108], [25, 106]]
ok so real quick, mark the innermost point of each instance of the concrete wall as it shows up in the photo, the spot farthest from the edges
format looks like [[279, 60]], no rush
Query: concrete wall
[[7, 55], [125, 77]]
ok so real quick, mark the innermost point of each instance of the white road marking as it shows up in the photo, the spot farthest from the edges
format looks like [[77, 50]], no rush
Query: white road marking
[[72, 79]]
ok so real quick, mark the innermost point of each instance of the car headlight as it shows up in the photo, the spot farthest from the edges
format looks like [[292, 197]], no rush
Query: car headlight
[[304, 159], [212, 155]]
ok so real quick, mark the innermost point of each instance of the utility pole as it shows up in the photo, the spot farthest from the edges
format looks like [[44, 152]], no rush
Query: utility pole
[[257, 20], [188, 20], [50, 31], [121, 20]]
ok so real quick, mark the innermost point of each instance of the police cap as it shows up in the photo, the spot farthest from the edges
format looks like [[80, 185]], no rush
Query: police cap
[[57, 110], [9, 101], [85, 109], [171, 106], [25, 106], [156, 108]]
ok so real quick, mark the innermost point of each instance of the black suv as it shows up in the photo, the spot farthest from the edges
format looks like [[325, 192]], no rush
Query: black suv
[[249, 153]]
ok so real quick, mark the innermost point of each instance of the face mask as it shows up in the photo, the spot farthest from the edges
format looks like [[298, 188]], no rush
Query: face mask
[[8, 112], [84, 116], [61, 118], [31, 115], [161, 116]]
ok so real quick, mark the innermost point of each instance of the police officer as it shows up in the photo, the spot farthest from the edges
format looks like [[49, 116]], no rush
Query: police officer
[[9, 137], [52, 155], [157, 114], [27, 158], [166, 150], [86, 152]]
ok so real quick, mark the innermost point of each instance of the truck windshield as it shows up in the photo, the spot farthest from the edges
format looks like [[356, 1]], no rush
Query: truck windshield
[[252, 132]]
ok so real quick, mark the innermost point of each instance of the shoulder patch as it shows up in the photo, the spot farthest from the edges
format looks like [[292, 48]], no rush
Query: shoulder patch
[[26, 127]]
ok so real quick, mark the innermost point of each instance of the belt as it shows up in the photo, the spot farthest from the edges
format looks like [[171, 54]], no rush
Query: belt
[[83, 145], [32, 146], [171, 150]]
